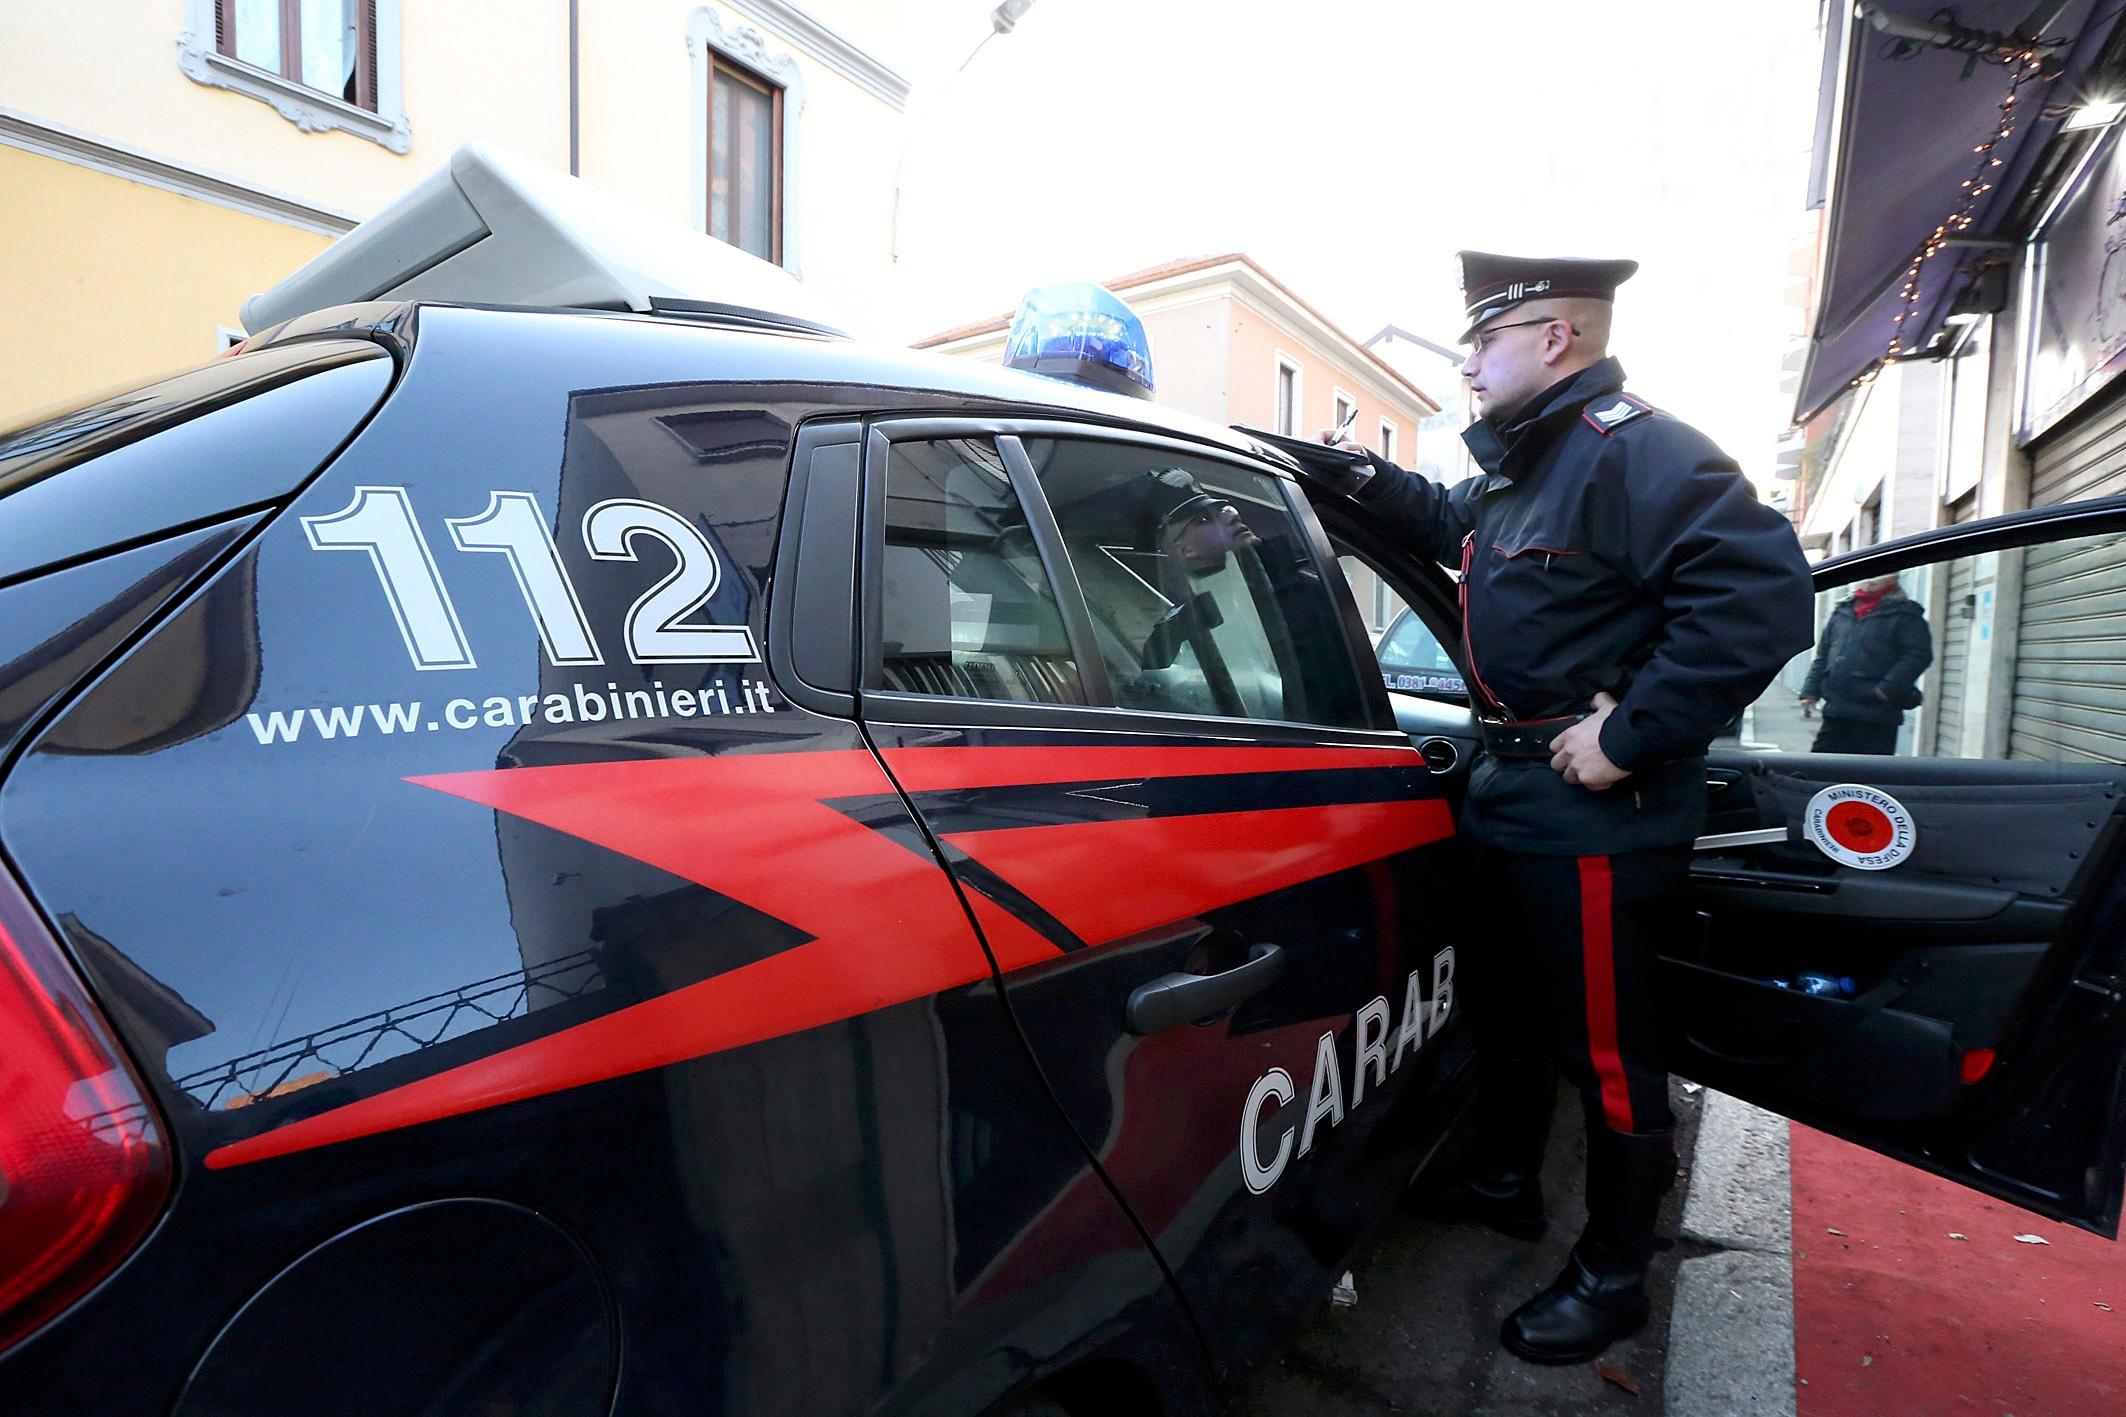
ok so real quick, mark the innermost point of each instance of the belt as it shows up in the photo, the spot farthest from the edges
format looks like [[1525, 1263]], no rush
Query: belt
[[1527, 738]]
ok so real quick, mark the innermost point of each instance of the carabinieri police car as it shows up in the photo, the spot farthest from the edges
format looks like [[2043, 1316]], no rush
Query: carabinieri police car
[[575, 849]]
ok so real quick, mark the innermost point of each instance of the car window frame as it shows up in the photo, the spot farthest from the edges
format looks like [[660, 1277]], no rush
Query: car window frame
[[1419, 599], [1101, 712], [1938, 547]]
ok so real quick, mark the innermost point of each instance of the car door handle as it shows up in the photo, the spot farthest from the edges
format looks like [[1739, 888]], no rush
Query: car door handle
[[1178, 998]]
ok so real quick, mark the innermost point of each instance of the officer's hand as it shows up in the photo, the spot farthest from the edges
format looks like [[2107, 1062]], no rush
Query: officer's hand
[[1577, 752], [1808, 708], [1342, 481]]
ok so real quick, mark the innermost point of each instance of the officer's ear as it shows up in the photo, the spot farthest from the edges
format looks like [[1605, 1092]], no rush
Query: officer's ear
[[1558, 339]]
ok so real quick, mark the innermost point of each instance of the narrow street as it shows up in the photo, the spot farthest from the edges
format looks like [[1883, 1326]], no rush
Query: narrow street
[[1423, 1337]]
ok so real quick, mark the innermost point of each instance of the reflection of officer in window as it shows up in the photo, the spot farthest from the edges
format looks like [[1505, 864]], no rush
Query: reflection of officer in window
[[1196, 535], [1867, 667], [1199, 530]]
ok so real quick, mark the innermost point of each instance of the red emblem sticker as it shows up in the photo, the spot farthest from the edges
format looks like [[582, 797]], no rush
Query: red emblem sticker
[[1859, 826]]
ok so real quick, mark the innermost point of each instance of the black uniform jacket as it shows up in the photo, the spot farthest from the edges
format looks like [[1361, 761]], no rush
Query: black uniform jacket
[[1605, 546], [1867, 668]]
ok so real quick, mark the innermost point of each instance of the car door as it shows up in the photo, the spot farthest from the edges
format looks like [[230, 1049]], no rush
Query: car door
[[1110, 675], [1949, 880], [1920, 949]]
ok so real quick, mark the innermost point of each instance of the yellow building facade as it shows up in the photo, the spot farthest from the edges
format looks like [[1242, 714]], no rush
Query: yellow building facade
[[160, 162]]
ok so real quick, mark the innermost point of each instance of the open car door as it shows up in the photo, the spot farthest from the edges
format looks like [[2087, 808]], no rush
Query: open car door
[[1917, 942], [1919, 945]]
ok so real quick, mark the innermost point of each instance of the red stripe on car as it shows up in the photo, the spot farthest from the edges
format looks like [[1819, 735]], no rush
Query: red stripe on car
[[1109, 880], [756, 828]]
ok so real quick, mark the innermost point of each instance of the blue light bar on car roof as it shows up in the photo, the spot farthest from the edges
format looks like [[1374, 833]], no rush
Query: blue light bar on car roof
[[1084, 334]]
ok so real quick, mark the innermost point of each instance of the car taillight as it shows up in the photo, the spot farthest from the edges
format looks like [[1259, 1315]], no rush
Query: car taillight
[[83, 1164]]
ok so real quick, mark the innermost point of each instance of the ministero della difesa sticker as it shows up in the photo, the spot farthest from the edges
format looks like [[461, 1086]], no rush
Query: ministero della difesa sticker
[[1859, 826]]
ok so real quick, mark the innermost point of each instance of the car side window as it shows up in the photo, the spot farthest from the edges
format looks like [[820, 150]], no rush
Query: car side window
[[967, 610], [2005, 654], [1412, 659], [1202, 596]]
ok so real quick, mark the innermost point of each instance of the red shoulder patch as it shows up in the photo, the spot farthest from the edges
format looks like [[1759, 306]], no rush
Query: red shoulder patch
[[1607, 415]]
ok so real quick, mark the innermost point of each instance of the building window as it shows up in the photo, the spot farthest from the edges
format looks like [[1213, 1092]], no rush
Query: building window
[[1346, 409], [327, 45], [748, 101], [1387, 440], [322, 64], [745, 159], [1287, 397]]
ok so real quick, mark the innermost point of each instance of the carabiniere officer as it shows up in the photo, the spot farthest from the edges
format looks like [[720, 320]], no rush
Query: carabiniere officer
[[1624, 596]]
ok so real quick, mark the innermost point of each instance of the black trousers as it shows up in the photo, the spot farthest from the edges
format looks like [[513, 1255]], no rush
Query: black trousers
[[1561, 970], [1853, 735]]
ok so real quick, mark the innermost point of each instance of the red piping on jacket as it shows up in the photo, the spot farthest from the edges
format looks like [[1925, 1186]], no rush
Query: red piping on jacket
[[1468, 646]]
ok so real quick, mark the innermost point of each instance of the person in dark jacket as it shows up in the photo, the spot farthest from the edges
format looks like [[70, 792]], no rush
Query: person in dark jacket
[[1624, 596], [1866, 671]]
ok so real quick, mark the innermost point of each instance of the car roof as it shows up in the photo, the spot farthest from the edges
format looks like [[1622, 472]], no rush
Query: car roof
[[780, 354]]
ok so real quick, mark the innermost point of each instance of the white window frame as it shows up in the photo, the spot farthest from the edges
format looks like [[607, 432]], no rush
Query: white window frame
[[1286, 362], [1389, 436], [1964, 382], [310, 110], [1339, 403], [747, 48]]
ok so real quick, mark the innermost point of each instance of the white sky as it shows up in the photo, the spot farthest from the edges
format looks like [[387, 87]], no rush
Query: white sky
[[1352, 146]]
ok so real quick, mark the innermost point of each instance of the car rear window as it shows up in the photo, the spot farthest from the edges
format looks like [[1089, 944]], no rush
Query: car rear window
[[240, 432]]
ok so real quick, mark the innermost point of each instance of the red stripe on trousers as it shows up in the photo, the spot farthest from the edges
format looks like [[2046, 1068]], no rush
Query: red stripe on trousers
[[1598, 961]]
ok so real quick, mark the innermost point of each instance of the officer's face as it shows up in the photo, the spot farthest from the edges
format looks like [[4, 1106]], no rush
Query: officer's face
[[1202, 541], [1506, 366]]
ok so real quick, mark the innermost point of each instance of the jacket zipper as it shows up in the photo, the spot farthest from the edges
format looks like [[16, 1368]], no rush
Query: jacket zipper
[[1483, 690]]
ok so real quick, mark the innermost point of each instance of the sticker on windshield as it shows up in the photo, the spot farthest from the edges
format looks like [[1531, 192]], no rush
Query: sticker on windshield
[[1859, 826]]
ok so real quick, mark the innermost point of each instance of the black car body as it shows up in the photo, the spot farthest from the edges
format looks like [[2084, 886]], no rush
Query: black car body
[[601, 974], [566, 862]]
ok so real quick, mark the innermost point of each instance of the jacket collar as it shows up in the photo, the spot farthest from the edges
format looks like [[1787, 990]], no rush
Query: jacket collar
[[1492, 445]]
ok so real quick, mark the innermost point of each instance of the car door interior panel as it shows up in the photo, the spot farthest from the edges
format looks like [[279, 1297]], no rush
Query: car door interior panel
[[1949, 990], [1960, 1005]]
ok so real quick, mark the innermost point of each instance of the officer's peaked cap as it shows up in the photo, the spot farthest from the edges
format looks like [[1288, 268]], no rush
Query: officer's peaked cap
[[1176, 495], [1494, 284]]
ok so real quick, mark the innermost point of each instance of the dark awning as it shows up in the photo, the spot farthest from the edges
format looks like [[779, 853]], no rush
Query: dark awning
[[1905, 137]]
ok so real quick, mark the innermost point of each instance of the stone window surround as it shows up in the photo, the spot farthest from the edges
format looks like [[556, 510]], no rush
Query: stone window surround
[[750, 49], [310, 110]]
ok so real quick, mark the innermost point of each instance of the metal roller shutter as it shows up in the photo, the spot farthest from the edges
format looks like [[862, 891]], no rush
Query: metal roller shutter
[[2070, 664], [1955, 644]]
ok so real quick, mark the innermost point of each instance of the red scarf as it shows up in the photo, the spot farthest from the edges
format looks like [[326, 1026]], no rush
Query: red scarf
[[1866, 600]]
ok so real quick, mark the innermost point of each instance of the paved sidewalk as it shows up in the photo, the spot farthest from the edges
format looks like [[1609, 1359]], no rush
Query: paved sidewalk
[[1731, 1339], [1423, 1338]]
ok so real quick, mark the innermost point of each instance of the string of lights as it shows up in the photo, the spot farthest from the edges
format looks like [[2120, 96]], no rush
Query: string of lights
[[2026, 66]]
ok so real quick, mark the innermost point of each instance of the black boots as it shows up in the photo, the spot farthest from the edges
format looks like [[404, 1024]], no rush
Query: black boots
[[1502, 1187], [1601, 1296]]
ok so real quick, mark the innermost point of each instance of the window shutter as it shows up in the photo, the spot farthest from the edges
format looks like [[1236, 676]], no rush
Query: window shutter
[[368, 62]]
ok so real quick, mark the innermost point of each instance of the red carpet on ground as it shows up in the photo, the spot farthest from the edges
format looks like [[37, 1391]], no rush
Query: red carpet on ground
[[1895, 1315]]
